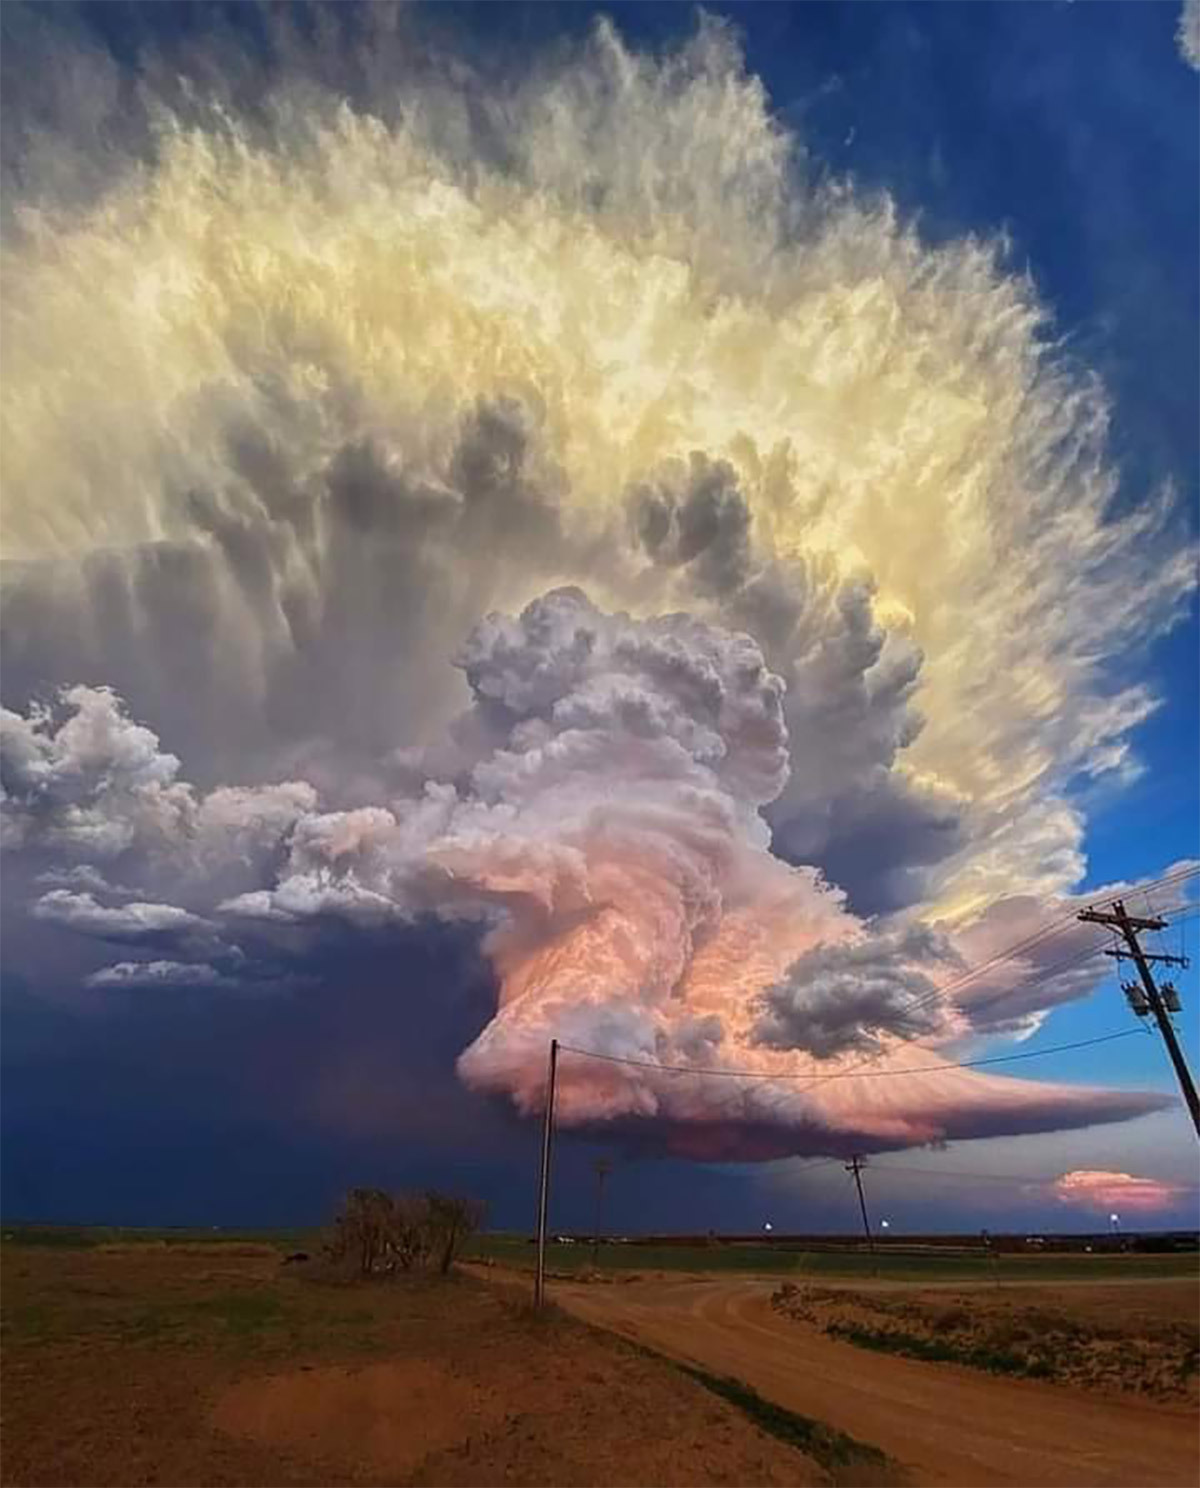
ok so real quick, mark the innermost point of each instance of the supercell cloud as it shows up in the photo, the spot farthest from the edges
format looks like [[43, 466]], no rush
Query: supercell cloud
[[567, 514]]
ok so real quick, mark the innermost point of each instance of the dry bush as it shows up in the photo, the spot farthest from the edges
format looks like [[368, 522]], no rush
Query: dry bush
[[381, 1234]]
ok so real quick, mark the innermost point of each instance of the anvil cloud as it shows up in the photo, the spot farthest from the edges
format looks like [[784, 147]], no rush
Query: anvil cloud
[[544, 503]]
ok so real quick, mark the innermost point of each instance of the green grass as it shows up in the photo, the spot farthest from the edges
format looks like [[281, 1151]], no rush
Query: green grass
[[940, 1351], [253, 1320], [515, 1250], [89, 1237], [242, 1313], [771, 1260], [844, 1458], [847, 1460]]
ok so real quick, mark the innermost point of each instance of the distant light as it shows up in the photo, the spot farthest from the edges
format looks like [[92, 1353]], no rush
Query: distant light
[[768, 1226], [1116, 1218], [883, 1224]]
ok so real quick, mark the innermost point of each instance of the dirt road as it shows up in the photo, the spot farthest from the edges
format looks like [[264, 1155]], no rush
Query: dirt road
[[949, 1424]]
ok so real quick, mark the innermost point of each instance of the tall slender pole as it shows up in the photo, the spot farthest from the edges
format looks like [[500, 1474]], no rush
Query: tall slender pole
[[539, 1285], [1118, 918], [1167, 1029], [855, 1166], [603, 1168]]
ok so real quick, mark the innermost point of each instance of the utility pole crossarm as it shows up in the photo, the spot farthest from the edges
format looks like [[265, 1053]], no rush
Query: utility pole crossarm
[[1117, 921], [1127, 926], [1159, 957]]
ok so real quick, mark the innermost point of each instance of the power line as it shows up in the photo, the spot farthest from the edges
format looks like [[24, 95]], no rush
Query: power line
[[1086, 953], [972, 973], [974, 1009], [1013, 952], [1046, 973], [1009, 953], [926, 1069], [1180, 875]]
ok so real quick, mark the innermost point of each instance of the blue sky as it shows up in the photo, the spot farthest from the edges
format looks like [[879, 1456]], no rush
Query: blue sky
[[1071, 130]]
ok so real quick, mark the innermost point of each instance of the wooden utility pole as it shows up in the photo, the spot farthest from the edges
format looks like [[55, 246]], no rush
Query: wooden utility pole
[[855, 1166], [539, 1282], [1148, 998], [602, 1168]]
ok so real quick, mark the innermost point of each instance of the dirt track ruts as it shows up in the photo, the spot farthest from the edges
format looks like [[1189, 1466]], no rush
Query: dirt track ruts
[[949, 1424]]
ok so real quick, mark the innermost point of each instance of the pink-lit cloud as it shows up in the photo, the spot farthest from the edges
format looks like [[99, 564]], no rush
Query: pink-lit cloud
[[1094, 1188], [601, 820], [465, 357]]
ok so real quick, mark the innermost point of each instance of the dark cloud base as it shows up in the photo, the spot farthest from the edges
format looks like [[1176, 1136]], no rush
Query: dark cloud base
[[264, 1113]]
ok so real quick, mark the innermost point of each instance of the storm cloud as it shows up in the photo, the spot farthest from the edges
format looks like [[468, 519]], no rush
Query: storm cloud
[[509, 503]]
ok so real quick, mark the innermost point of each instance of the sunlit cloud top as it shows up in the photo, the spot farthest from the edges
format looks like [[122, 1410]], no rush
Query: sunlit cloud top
[[1116, 1192], [542, 502]]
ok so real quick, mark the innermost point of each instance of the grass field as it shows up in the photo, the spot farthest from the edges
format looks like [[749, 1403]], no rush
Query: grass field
[[205, 1362], [772, 1260], [199, 1357], [91, 1237], [765, 1260]]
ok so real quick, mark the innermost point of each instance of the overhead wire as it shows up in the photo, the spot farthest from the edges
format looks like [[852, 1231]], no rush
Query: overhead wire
[[1182, 913], [689, 1069], [940, 992], [1013, 952], [1076, 957]]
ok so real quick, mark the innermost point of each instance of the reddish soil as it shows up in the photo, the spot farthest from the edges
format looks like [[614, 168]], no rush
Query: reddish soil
[[950, 1424], [142, 1366]]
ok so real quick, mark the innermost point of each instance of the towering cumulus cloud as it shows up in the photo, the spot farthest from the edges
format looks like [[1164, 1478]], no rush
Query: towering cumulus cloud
[[778, 552]]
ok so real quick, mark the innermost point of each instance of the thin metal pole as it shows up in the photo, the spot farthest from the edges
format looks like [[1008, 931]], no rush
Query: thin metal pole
[[602, 1171], [539, 1285]]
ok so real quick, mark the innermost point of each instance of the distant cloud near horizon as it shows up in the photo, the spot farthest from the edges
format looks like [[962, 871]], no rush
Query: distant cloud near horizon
[[1116, 1192]]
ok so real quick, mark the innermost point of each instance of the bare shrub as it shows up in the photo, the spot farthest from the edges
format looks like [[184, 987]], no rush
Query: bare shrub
[[362, 1232], [451, 1222], [379, 1233]]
